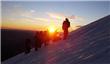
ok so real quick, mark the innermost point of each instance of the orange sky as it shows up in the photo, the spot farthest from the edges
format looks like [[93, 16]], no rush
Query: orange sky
[[31, 26], [28, 22], [41, 15]]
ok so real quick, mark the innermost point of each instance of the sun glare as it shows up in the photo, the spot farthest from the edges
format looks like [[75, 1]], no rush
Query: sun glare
[[51, 29]]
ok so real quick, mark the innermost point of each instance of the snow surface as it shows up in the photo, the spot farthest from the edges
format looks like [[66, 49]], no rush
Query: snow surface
[[88, 45]]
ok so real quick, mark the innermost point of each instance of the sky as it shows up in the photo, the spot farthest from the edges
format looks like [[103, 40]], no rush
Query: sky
[[39, 15]]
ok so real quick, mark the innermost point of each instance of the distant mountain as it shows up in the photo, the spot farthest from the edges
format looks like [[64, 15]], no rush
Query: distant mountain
[[89, 44]]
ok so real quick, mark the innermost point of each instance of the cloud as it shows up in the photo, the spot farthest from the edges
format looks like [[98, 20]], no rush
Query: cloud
[[61, 16], [32, 11], [36, 19], [72, 17], [56, 15], [18, 12]]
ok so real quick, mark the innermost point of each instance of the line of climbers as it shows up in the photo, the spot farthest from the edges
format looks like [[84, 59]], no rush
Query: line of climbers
[[42, 37]]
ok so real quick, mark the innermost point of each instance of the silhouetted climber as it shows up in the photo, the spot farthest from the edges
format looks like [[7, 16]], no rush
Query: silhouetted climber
[[45, 38], [65, 26], [27, 45], [38, 40]]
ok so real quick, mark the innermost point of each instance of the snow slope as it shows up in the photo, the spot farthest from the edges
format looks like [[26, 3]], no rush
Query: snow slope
[[89, 44]]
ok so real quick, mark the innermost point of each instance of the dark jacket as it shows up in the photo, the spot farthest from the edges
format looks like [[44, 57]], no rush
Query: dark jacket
[[66, 25]]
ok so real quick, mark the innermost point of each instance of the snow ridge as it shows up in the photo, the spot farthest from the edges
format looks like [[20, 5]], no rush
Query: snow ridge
[[89, 44]]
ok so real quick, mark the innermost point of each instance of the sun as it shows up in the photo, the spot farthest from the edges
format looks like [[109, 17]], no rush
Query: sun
[[51, 29]]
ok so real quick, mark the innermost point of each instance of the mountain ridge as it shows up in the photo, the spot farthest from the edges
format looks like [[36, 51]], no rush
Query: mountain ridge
[[89, 44]]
